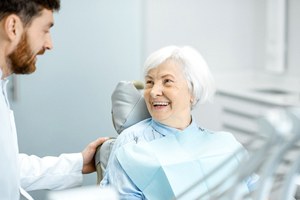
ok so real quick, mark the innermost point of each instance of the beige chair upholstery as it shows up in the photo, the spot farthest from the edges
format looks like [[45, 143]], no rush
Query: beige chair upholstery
[[128, 108]]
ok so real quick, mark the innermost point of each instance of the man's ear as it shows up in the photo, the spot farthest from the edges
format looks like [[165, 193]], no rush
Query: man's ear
[[13, 27]]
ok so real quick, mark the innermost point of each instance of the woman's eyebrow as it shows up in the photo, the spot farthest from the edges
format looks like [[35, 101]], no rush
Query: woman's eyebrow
[[148, 76], [162, 76], [168, 75]]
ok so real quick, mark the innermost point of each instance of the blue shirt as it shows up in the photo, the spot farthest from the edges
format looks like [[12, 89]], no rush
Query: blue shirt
[[146, 131]]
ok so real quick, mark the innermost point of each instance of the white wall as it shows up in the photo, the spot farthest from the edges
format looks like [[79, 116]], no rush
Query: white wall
[[230, 34], [294, 37]]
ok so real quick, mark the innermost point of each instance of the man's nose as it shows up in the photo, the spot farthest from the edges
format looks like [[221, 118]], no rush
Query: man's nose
[[48, 43]]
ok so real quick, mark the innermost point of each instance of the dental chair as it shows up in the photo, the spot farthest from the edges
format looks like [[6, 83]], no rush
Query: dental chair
[[128, 108]]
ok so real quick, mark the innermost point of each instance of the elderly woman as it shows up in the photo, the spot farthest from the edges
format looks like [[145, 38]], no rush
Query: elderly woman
[[163, 156]]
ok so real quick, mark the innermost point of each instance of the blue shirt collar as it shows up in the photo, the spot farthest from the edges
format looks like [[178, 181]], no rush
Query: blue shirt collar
[[167, 130]]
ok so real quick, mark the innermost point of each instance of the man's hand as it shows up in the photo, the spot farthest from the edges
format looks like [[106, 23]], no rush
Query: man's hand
[[88, 155]]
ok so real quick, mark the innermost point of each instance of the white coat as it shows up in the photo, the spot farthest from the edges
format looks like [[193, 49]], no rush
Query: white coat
[[19, 172]]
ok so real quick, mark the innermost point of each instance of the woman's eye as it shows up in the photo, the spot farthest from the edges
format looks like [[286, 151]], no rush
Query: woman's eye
[[168, 81], [148, 83]]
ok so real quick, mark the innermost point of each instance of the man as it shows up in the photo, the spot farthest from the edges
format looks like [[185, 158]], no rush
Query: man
[[24, 34]]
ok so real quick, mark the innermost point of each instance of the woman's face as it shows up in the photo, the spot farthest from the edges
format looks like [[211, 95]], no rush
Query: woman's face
[[167, 95]]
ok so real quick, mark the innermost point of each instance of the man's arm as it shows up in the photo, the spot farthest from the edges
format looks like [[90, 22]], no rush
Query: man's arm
[[88, 155], [57, 173]]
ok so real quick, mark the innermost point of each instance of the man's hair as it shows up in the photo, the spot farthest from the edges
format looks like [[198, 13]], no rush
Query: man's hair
[[26, 9]]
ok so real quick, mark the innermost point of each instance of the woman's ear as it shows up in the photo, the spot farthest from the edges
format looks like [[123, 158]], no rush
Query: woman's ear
[[13, 27], [192, 100]]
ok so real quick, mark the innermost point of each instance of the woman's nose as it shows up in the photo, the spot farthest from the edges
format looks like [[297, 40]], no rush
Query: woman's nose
[[156, 90]]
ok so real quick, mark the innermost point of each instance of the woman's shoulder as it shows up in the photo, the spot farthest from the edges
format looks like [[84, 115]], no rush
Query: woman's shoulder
[[136, 128], [134, 132], [222, 136], [225, 142]]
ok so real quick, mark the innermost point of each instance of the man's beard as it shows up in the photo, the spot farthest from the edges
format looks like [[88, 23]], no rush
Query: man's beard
[[22, 60]]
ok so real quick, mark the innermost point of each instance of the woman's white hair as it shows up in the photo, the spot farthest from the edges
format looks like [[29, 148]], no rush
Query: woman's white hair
[[195, 69]]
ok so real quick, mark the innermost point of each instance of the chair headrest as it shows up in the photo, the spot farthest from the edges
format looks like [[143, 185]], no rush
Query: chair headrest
[[128, 105]]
